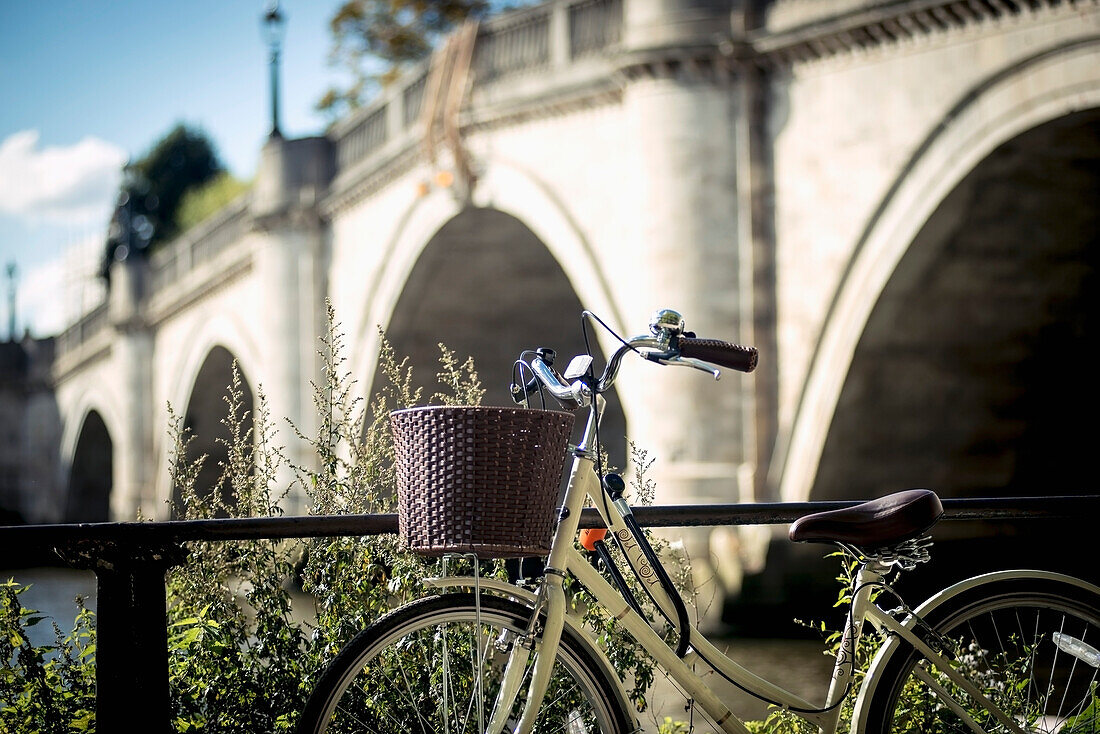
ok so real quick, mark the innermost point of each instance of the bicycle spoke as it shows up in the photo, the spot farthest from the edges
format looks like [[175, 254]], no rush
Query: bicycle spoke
[[475, 672], [411, 698], [974, 648], [1062, 703], [1033, 657], [573, 715], [1053, 667], [387, 684]]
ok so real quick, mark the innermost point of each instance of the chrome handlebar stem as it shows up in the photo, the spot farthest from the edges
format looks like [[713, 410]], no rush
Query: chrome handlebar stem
[[577, 392]]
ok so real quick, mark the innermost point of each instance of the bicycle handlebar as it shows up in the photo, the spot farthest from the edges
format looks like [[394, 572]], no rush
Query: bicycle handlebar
[[668, 344]]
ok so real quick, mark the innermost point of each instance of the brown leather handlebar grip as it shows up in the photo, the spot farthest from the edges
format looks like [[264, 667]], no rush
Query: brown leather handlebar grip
[[724, 354]]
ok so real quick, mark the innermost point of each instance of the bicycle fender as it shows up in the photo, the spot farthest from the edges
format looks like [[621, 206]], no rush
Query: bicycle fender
[[528, 598], [887, 650], [493, 586]]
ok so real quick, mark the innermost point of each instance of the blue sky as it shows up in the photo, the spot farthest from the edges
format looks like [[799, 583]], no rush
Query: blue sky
[[85, 85]]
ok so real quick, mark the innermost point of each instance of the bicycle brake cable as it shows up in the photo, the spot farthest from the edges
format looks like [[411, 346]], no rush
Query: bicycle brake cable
[[610, 331], [590, 378], [517, 379]]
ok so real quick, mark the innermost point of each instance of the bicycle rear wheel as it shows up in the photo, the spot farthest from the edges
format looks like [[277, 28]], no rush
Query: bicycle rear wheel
[[1025, 644], [414, 671]]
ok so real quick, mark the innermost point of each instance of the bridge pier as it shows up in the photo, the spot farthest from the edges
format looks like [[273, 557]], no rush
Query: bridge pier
[[132, 480], [290, 260], [683, 104]]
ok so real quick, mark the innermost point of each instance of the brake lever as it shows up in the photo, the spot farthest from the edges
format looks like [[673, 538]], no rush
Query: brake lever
[[672, 358], [694, 364]]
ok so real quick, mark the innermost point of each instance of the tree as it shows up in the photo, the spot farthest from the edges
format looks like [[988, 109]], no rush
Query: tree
[[152, 189], [375, 39]]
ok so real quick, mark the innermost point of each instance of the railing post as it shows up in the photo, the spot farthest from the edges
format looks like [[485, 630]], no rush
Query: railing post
[[132, 686], [395, 115], [560, 42]]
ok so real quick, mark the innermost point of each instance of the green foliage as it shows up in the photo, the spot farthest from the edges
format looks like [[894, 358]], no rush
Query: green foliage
[[47, 688], [374, 39], [253, 622], [236, 655], [201, 202], [1005, 676], [668, 726], [1088, 721]]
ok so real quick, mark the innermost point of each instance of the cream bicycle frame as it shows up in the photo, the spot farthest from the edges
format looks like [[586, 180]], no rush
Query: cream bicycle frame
[[564, 559]]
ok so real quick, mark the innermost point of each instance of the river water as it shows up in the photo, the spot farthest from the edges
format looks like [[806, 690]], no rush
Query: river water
[[53, 591], [797, 665]]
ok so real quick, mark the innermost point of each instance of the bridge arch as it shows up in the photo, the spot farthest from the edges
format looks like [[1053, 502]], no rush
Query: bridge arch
[[91, 401], [203, 337], [227, 332], [504, 187], [1059, 82], [91, 471], [486, 284], [203, 414]]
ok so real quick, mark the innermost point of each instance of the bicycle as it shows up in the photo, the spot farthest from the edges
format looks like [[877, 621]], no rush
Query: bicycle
[[1012, 651]]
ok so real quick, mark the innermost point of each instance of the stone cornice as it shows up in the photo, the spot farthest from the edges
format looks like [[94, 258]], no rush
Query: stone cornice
[[296, 218], [516, 99], [885, 24], [559, 101], [713, 63], [392, 162]]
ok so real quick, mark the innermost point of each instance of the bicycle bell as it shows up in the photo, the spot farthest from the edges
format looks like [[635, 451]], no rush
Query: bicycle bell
[[666, 324]]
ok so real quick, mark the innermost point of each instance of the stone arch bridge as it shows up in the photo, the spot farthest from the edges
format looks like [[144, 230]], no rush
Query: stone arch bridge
[[896, 200]]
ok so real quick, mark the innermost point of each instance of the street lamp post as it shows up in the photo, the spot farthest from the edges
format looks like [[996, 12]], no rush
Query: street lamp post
[[11, 270], [274, 27]]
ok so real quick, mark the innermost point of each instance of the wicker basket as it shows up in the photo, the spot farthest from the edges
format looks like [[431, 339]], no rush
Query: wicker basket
[[479, 480]]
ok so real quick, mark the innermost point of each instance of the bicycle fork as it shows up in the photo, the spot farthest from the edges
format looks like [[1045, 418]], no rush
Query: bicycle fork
[[552, 600], [544, 645]]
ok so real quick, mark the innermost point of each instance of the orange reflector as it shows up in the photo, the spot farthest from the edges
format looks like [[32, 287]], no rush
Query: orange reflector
[[590, 537]]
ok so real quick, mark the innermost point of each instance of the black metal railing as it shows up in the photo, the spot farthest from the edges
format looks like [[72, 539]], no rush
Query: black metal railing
[[131, 558]]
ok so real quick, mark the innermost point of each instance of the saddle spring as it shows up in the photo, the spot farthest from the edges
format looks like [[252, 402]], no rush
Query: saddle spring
[[906, 555]]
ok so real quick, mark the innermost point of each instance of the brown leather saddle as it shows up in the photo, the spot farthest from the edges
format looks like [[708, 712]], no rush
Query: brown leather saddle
[[878, 523]]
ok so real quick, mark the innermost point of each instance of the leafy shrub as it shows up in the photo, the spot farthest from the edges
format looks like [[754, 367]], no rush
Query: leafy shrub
[[47, 688], [201, 202], [243, 653]]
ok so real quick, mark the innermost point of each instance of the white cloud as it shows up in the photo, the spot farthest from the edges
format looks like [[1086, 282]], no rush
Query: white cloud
[[62, 184], [53, 295]]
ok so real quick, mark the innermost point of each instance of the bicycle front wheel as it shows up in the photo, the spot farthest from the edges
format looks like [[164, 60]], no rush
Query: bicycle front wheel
[[435, 667], [1028, 644]]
